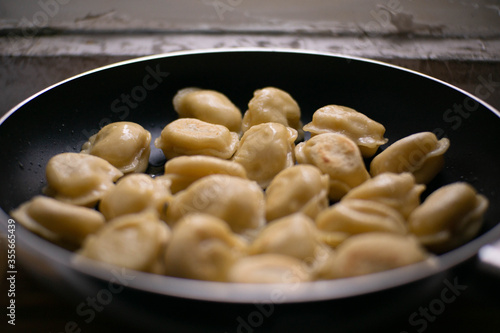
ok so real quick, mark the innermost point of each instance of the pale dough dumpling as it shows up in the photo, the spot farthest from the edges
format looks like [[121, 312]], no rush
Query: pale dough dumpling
[[354, 216], [79, 179], [365, 132], [58, 221], [293, 235], [300, 188], [269, 268], [337, 156], [375, 252], [398, 191], [185, 170], [134, 241], [202, 247], [208, 105], [135, 193], [273, 105], [125, 145], [449, 217], [265, 150], [421, 154], [239, 202], [190, 136]]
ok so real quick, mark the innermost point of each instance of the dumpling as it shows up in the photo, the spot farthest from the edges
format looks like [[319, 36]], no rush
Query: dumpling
[[239, 202], [272, 105], [375, 252], [420, 153], [190, 136], [134, 241], [449, 217], [185, 170], [293, 235], [58, 221], [125, 145], [202, 247], [135, 193], [265, 150], [79, 179], [354, 216], [300, 188], [208, 105], [365, 132], [398, 191], [337, 156], [269, 268]]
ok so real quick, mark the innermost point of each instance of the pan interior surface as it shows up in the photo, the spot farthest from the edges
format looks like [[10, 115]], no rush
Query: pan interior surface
[[63, 117]]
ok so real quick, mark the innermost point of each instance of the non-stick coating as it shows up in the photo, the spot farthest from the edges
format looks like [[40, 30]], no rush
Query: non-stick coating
[[63, 117]]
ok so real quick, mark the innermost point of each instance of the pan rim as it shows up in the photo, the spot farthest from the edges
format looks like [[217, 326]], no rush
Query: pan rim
[[251, 293]]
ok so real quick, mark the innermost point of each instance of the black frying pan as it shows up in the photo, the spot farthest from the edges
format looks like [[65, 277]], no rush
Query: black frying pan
[[62, 117]]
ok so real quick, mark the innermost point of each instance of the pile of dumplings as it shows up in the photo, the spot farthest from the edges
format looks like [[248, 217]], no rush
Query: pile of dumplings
[[254, 197]]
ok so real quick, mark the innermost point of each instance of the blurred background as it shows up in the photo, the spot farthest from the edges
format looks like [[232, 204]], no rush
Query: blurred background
[[45, 41]]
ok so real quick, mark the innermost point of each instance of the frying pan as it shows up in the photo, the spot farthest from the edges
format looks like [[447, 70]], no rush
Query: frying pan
[[63, 116]]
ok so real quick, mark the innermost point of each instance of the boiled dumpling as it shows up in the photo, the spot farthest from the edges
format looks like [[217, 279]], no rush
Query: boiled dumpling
[[272, 105], [58, 221], [134, 241], [265, 150], [421, 154], [365, 132], [79, 179], [293, 235], [375, 252], [190, 136], [354, 216], [208, 105], [185, 170], [449, 217], [300, 188], [239, 202], [202, 247], [123, 144], [135, 193], [398, 191], [337, 156]]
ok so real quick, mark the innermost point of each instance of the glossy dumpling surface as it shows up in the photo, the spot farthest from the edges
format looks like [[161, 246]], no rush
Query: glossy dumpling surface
[[300, 188], [80, 179], [337, 156], [202, 247], [135, 193], [365, 132], [421, 154], [265, 150], [274, 105], [190, 136], [185, 170], [208, 105], [126, 145], [239, 202]]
